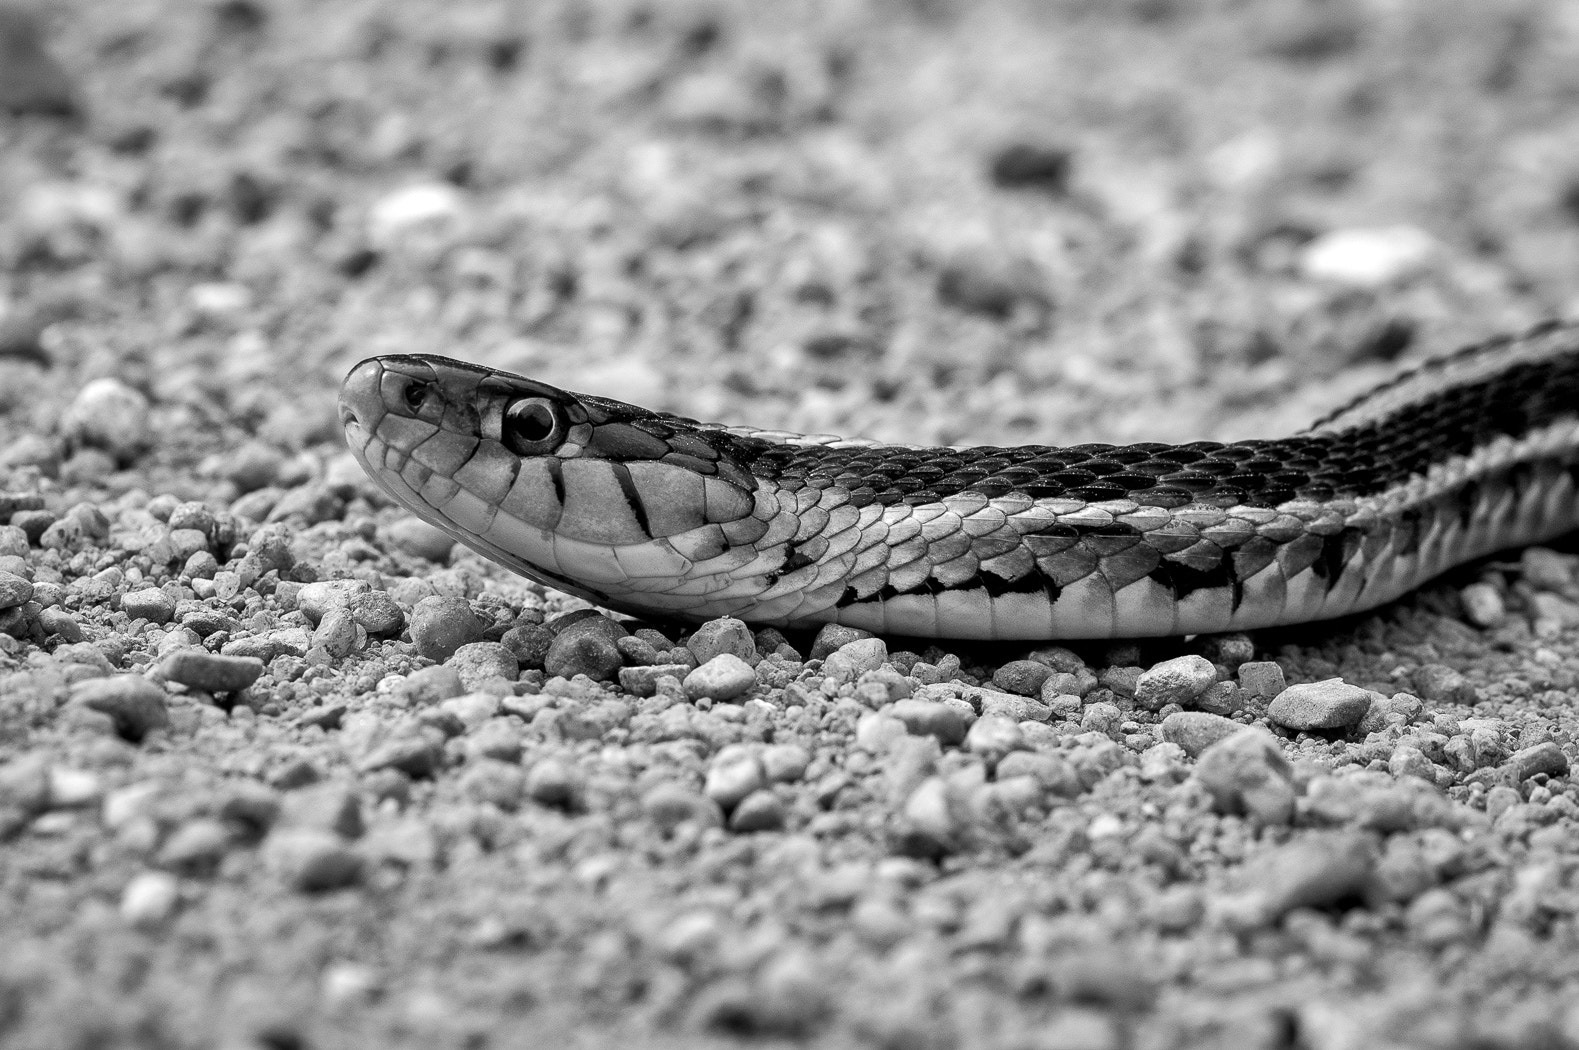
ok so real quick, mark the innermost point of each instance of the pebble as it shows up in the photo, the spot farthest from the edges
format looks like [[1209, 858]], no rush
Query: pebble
[[148, 603], [1545, 758], [14, 590], [336, 633], [1367, 257], [110, 415], [1247, 773], [1176, 681], [333, 807], [31, 80], [416, 755], [758, 811], [479, 662], [1316, 870], [316, 600], [416, 537], [643, 681], [495, 782], [1546, 569], [429, 685], [310, 860], [1483, 605], [942, 720], [936, 817], [1331, 704], [994, 736], [530, 643], [583, 652], [401, 211], [136, 705], [1022, 677], [989, 281], [439, 626], [1440, 684], [1055, 773], [211, 672], [197, 846], [377, 613], [724, 677], [1407, 760], [1032, 166], [735, 772], [551, 782], [853, 659], [785, 763], [876, 733], [472, 709], [723, 635], [150, 897], [1101, 718], [1195, 731], [669, 805], [1263, 678], [832, 637]]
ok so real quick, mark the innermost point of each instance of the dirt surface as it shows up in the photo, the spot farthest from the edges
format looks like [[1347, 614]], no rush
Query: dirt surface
[[394, 815]]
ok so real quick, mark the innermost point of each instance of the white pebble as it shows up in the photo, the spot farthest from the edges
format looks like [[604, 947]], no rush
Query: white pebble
[[1367, 257], [405, 209], [110, 415], [150, 898]]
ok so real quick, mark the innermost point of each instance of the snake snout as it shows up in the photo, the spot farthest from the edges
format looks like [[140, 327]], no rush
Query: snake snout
[[361, 400]]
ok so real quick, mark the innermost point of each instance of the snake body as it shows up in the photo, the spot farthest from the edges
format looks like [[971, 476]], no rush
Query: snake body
[[661, 516]]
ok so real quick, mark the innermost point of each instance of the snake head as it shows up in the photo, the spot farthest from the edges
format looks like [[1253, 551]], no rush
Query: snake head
[[558, 485]]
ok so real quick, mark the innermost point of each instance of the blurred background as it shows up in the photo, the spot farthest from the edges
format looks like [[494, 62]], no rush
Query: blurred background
[[919, 220]]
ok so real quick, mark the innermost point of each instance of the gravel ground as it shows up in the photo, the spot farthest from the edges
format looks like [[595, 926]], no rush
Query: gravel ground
[[282, 768]]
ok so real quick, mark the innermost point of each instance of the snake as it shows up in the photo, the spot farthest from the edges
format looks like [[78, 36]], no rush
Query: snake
[[665, 518]]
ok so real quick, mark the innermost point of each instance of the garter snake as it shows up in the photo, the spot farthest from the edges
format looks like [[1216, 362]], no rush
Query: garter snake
[[661, 516]]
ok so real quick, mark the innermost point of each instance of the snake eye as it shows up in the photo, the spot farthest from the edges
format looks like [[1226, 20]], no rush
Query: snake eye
[[416, 394], [532, 426]]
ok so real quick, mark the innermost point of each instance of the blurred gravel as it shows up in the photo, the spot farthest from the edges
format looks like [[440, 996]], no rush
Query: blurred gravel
[[281, 766]]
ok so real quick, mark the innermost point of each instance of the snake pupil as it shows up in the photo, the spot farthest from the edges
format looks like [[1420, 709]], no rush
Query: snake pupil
[[530, 425]]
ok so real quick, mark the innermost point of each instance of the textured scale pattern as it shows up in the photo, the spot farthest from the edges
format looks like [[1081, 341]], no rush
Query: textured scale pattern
[[659, 515]]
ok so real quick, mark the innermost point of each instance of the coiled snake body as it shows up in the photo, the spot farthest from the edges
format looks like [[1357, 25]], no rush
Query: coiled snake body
[[657, 515]]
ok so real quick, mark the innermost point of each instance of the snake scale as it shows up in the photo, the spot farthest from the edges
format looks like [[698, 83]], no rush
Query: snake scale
[[661, 516]]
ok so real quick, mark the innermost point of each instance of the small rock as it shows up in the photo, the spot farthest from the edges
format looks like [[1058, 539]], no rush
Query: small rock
[[1056, 774], [497, 783], [1483, 605], [136, 705], [333, 807], [31, 80], [1316, 870], [724, 677], [416, 756], [530, 642], [1032, 166], [854, 659], [1440, 684], [429, 685], [669, 805], [1022, 677], [1546, 569], [478, 662], [1545, 758], [785, 763], [551, 782], [723, 635], [377, 613], [110, 415], [643, 681], [439, 626], [150, 898], [1332, 704], [316, 600], [1102, 718], [1367, 258], [211, 672], [1247, 773], [1176, 681], [583, 652], [14, 590], [416, 537], [758, 811], [942, 720], [735, 772], [336, 633], [311, 861], [429, 204], [149, 603], [1195, 731], [876, 732], [993, 736], [832, 637], [1263, 678], [989, 281], [1409, 761]]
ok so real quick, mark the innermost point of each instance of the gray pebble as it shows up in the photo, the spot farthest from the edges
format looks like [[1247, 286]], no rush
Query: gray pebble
[[758, 811], [1440, 684], [439, 626], [416, 755], [1263, 678], [785, 763], [643, 681], [724, 677], [1247, 773], [1022, 677], [1407, 760], [1483, 605], [497, 783], [734, 773], [1332, 704], [833, 637], [197, 846], [311, 861], [1176, 681], [1121, 680], [110, 415], [636, 652], [1316, 870], [314, 600], [150, 898], [336, 633], [1056, 774], [13, 541], [61, 623], [429, 685], [530, 643], [945, 721], [148, 603], [591, 653], [551, 782], [1545, 568], [854, 659], [137, 705], [14, 590], [669, 805], [1063, 683], [1545, 758], [993, 736], [1195, 731], [211, 672], [1102, 718], [478, 662], [876, 732], [416, 537], [377, 613], [723, 635]]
